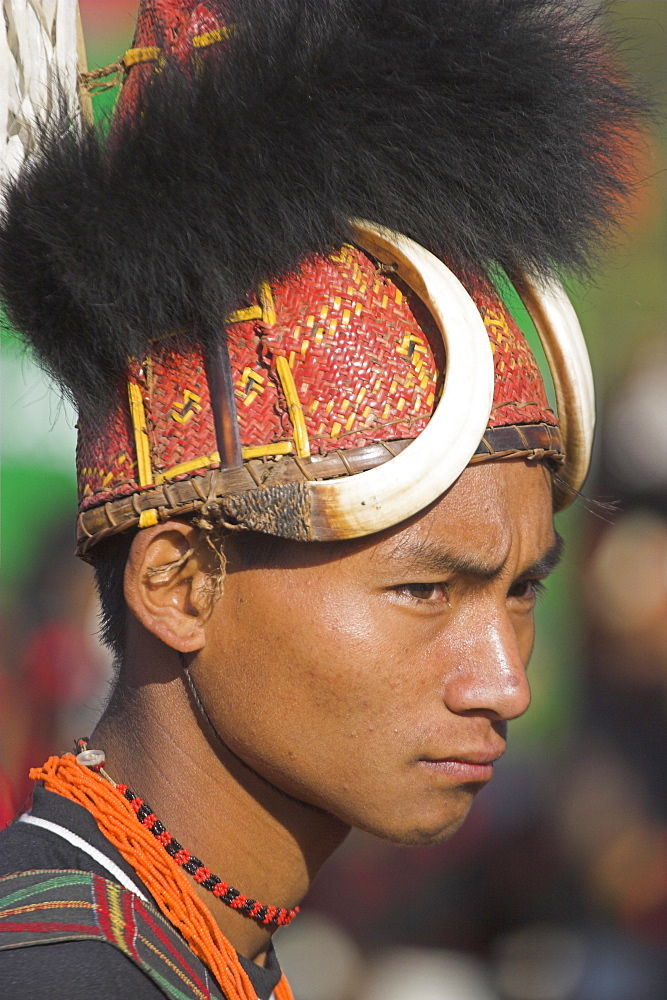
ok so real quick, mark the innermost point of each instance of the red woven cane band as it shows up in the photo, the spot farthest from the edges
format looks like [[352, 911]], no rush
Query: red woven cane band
[[329, 362]]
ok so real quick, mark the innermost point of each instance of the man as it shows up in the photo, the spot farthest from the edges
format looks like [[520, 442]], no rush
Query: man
[[317, 469]]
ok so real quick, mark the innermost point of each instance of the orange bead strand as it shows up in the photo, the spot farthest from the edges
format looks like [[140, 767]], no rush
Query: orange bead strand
[[166, 882]]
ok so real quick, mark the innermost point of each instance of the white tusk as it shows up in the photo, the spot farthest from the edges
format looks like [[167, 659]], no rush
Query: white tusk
[[382, 497], [558, 327]]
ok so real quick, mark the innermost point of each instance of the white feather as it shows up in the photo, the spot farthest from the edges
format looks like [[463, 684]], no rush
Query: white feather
[[38, 47]]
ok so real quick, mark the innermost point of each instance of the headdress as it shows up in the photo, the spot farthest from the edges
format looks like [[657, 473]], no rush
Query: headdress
[[269, 287]]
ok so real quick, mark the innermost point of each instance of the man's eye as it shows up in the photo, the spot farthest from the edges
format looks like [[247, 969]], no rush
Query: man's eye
[[527, 590], [424, 591]]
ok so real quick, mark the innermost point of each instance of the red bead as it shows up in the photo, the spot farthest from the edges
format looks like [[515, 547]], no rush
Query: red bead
[[273, 914]]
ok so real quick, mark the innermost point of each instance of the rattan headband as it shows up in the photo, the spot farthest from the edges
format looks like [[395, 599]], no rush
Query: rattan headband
[[335, 497]]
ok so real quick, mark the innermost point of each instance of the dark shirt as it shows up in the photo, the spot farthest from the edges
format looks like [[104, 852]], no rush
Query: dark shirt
[[80, 970]]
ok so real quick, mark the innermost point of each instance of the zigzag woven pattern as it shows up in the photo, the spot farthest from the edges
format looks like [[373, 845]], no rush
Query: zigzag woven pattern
[[363, 353], [106, 458]]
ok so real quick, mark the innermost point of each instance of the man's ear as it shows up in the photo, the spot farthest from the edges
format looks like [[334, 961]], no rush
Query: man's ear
[[167, 584]]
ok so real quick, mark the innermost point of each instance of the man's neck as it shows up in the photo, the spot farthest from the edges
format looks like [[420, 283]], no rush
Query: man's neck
[[264, 843]]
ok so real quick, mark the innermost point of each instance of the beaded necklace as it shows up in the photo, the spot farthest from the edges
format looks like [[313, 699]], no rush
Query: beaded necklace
[[269, 916], [84, 782]]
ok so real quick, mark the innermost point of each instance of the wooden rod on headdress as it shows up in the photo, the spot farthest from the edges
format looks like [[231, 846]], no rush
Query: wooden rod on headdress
[[223, 404]]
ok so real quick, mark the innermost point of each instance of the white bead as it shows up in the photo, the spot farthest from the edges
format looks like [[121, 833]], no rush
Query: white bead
[[91, 758]]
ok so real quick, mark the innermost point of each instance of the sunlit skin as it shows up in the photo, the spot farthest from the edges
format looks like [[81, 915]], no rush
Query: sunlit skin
[[363, 684]]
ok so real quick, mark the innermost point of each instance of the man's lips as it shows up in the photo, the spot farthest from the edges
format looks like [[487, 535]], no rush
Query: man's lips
[[473, 765]]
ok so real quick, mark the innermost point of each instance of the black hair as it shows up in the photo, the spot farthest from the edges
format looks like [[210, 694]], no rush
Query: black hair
[[493, 132], [109, 559]]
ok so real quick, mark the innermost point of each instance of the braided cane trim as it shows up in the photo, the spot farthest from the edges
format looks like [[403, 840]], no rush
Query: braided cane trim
[[258, 476]]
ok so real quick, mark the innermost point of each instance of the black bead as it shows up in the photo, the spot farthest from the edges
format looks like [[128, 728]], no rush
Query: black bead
[[173, 847]]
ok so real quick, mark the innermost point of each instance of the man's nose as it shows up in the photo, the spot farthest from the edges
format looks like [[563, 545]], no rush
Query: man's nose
[[489, 675]]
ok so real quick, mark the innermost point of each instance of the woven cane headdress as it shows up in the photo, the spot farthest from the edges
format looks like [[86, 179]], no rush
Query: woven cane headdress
[[237, 337]]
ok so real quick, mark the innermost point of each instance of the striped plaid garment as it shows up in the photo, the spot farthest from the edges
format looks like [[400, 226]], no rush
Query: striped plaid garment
[[48, 905]]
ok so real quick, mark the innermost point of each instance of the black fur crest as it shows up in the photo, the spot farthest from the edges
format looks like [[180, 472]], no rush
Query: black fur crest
[[494, 132]]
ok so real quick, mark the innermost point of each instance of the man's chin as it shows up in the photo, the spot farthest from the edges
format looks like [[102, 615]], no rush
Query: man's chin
[[423, 835]]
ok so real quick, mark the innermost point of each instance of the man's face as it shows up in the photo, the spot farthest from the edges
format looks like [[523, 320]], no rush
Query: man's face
[[374, 679]]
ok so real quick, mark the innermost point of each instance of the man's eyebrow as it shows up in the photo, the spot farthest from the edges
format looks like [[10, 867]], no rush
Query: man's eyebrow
[[548, 562], [429, 558], [425, 557]]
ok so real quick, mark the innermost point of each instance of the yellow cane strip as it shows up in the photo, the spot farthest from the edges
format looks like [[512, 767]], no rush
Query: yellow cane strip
[[243, 315], [138, 415], [148, 518], [265, 296], [260, 450], [150, 53], [294, 408], [210, 37], [203, 461]]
